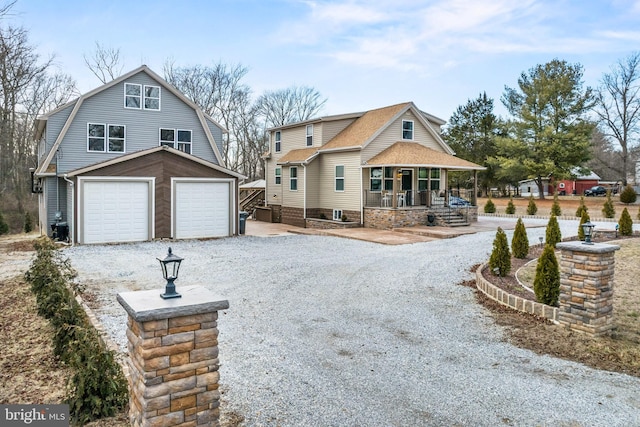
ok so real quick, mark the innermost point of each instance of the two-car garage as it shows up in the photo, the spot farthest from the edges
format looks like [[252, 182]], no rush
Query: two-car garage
[[154, 200]]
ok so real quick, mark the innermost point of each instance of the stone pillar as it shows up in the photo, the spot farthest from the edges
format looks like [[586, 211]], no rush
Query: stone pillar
[[586, 286], [173, 363]]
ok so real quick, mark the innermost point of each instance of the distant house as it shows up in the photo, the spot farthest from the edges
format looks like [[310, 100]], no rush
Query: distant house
[[133, 160], [529, 187], [382, 168], [576, 185]]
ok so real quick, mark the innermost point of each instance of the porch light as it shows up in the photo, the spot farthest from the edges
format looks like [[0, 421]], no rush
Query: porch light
[[399, 174], [587, 228], [541, 239], [170, 266]]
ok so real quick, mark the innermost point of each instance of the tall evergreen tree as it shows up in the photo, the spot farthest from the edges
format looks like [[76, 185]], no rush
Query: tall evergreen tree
[[550, 133]]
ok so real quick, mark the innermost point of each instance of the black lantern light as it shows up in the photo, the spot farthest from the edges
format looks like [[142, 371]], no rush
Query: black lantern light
[[587, 228], [170, 266]]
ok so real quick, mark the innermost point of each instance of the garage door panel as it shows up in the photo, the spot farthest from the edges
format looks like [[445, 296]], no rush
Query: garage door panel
[[116, 211], [201, 209]]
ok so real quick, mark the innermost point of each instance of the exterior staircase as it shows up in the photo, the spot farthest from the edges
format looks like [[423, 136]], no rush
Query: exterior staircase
[[251, 200], [450, 217]]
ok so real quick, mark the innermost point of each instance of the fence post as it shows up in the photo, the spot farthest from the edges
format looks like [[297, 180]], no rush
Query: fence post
[[173, 363]]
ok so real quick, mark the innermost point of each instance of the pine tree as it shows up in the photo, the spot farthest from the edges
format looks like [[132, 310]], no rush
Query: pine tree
[[628, 195], [28, 222], [553, 234], [489, 207], [555, 207], [608, 210], [520, 241], [625, 224], [546, 284], [584, 218], [511, 209], [532, 208], [581, 208], [4, 227], [500, 260]]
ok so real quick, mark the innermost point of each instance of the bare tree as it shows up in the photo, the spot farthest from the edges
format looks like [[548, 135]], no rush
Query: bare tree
[[105, 63], [619, 107], [293, 104]]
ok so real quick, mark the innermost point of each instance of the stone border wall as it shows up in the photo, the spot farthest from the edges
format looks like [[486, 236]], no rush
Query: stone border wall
[[512, 301], [328, 224]]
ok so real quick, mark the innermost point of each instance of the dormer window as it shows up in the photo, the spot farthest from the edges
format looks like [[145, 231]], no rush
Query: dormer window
[[137, 96], [277, 141], [309, 135], [407, 129]]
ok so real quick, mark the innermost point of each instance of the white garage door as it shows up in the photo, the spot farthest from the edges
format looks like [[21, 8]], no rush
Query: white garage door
[[115, 211], [201, 209]]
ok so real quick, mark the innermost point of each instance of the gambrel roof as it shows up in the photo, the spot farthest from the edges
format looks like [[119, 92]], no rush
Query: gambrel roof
[[77, 103]]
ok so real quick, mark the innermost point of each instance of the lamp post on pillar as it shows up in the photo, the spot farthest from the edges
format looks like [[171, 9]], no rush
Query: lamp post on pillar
[[170, 266], [587, 228]]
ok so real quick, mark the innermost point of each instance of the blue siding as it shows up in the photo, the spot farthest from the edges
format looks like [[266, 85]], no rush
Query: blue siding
[[142, 126]]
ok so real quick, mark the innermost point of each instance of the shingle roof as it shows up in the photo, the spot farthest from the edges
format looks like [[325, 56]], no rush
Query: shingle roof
[[298, 156], [365, 127], [413, 154]]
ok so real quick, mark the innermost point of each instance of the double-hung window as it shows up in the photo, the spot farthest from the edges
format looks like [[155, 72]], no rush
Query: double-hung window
[[278, 175], [340, 178], [277, 141], [407, 129], [309, 135], [179, 139], [103, 138], [375, 179], [137, 96], [293, 178]]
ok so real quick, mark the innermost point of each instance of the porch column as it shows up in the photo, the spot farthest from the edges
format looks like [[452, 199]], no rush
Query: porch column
[[428, 187], [474, 196], [446, 187], [394, 196]]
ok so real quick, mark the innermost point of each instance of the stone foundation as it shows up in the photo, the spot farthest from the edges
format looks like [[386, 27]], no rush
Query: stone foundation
[[586, 286], [328, 224], [173, 358]]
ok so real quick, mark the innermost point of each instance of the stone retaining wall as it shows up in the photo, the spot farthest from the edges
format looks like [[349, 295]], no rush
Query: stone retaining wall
[[513, 301], [327, 224]]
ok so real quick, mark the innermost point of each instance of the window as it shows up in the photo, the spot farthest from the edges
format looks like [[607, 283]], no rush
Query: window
[[375, 179], [182, 143], [277, 141], [435, 179], [340, 178], [309, 135], [293, 179], [407, 129], [151, 97], [278, 174], [337, 214], [388, 179], [105, 138], [132, 95], [423, 174]]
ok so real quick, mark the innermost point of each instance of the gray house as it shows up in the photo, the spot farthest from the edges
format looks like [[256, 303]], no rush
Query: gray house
[[133, 160]]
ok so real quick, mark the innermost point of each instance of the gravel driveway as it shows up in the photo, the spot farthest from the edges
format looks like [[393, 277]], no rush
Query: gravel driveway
[[324, 331]]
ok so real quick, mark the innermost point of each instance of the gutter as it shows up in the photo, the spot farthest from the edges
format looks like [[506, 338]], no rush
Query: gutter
[[73, 197]]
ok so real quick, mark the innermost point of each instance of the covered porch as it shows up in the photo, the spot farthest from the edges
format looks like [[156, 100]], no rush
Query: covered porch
[[406, 185]]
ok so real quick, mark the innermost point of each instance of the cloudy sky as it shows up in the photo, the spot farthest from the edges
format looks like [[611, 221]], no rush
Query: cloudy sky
[[360, 54]]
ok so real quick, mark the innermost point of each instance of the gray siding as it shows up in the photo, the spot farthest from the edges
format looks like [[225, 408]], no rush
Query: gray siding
[[142, 126], [54, 126], [56, 193], [217, 136]]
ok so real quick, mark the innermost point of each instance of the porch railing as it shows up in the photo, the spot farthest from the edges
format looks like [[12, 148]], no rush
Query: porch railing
[[409, 198]]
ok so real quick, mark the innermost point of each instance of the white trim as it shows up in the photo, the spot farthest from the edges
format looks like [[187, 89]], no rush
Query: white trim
[[307, 135], [139, 97], [152, 200], [413, 130], [144, 97], [277, 143], [232, 201], [105, 138], [336, 177], [177, 143], [296, 178], [276, 176]]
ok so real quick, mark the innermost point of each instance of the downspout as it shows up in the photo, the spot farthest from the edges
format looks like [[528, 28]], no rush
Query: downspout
[[362, 195], [73, 197], [304, 195]]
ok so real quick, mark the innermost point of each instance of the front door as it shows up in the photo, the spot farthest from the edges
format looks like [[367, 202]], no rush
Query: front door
[[407, 185]]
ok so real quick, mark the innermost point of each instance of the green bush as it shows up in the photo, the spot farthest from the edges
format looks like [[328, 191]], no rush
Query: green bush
[[625, 223], [532, 209], [344, 218], [581, 208], [511, 209], [28, 223], [553, 234], [520, 241], [555, 207], [97, 387], [628, 195], [489, 207], [500, 260], [546, 284], [584, 218], [608, 210], [4, 227]]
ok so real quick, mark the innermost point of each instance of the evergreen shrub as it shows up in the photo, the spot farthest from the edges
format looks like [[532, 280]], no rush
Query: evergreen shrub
[[555, 207], [511, 209], [520, 241], [625, 223], [553, 234], [628, 195], [584, 218], [608, 210], [489, 207], [532, 208], [500, 259], [546, 284], [581, 208]]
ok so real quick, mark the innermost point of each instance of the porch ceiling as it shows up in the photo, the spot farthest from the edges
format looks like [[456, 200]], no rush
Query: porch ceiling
[[414, 154]]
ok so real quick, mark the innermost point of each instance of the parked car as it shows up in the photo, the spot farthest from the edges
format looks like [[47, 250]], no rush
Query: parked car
[[597, 190], [457, 201]]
